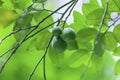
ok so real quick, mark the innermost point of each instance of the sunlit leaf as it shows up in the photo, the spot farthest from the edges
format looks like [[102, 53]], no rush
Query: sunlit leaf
[[117, 51], [113, 5], [72, 45], [7, 17], [1, 3], [21, 4], [22, 22], [56, 58], [79, 21], [110, 42], [40, 41], [78, 58], [89, 7], [7, 4], [116, 32], [86, 34], [99, 46], [86, 45], [97, 62], [40, 15], [37, 7], [117, 68], [94, 17]]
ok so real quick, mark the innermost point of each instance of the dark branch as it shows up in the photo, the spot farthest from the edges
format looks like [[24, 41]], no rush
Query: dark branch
[[52, 11], [46, 49], [16, 31], [69, 13], [24, 38]]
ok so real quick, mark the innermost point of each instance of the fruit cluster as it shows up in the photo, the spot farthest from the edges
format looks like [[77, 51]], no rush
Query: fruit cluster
[[62, 38]]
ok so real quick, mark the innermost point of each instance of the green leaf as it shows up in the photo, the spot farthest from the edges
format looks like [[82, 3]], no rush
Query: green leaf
[[86, 34], [117, 68], [1, 3], [116, 33], [99, 47], [79, 21], [117, 51], [36, 7], [86, 45], [110, 42], [40, 15], [72, 45], [97, 62], [7, 17], [94, 17], [21, 4], [22, 22], [7, 4], [113, 5], [117, 2], [89, 7], [78, 58], [39, 41], [56, 58]]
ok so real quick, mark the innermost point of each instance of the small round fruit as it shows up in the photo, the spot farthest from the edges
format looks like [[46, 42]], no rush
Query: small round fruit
[[56, 31], [58, 44], [68, 34]]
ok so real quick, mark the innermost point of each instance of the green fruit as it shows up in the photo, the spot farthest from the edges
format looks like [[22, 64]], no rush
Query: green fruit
[[58, 44], [56, 31], [68, 34]]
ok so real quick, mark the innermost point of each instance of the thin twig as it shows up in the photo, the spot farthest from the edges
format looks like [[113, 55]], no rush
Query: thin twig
[[7, 59], [65, 12], [52, 11], [41, 30], [16, 31], [96, 39], [24, 38], [1, 55], [43, 57], [111, 26], [44, 67], [34, 69], [102, 22], [69, 13]]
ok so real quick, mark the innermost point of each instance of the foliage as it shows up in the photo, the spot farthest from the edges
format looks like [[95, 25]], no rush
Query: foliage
[[25, 41]]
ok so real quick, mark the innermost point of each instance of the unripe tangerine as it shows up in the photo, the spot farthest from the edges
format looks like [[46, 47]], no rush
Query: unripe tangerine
[[58, 44], [68, 34], [56, 31]]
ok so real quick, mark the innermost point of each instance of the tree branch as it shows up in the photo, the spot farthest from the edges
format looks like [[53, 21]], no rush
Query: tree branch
[[111, 26], [43, 57], [69, 13], [1, 55], [96, 39], [52, 11], [46, 49], [41, 30], [24, 38], [16, 31]]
